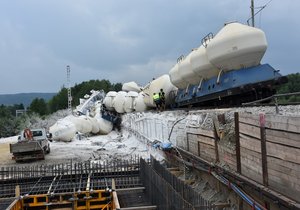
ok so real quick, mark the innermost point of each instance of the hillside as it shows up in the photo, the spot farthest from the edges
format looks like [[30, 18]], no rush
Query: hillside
[[24, 98]]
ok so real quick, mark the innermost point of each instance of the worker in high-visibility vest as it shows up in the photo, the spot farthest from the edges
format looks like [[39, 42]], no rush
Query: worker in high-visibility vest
[[162, 100], [156, 100]]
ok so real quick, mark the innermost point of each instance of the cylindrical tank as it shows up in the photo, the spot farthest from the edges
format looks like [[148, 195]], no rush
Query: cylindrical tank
[[63, 130], [131, 86], [105, 127], [139, 104], [86, 124], [95, 125], [200, 64], [163, 82], [176, 79], [186, 72], [119, 101], [108, 100], [130, 97], [237, 46]]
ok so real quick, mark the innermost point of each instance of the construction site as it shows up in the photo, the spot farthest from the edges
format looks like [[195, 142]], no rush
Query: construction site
[[223, 159]]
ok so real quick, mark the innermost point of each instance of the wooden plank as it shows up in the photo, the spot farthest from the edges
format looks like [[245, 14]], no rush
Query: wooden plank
[[227, 148], [283, 137], [207, 152], [290, 168], [277, 122], [250, 143], [286, 123], [290, 182], [199, 131], [206, 140], [251, 174], [251, 158], [284, 189], [249, 130], [283, 152], [251, 119], [193, 146], [227, 158], [251, 165]]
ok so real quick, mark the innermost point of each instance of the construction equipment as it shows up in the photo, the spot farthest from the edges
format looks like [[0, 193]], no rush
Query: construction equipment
[[32, 145]]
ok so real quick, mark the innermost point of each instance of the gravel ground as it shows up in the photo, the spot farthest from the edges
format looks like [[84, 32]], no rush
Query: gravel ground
[[111, 147]]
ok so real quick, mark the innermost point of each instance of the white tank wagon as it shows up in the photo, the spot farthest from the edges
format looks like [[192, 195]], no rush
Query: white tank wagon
[[105, 127], [139, 104], [163, 82], [63, 130], [186, 72], [95, 125], [108, 100], [129, 101], [119, 101], [237, 46], [131, 86], [176, 79], [86, 124], [201, 65]]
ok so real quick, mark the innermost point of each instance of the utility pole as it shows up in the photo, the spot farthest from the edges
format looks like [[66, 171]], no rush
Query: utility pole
[[69, 89], [252, 12]]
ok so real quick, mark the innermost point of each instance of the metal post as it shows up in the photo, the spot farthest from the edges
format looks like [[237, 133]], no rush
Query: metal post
[[262, 121], [252, 12], [237, 142], [69, 89]]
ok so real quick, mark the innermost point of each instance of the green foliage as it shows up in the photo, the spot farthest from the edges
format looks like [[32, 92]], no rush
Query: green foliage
[[60, 101], [293, 85], [39, 106], [9, 124]]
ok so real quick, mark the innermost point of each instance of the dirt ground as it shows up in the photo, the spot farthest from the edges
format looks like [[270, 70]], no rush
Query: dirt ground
[[5, 157], [114, 146]]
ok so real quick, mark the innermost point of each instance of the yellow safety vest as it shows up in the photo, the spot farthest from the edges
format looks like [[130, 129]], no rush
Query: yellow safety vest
[[156, 97]]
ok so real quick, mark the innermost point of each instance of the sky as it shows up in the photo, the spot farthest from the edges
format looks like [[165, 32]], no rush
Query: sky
[[125, 40]]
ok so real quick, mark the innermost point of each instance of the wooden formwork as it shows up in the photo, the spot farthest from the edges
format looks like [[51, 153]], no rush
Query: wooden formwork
[[271, 145], [267, 150]]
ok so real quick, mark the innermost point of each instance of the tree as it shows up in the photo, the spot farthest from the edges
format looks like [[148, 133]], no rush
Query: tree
[[59, 101], [39, 106], [293, 85], [9, 124]]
